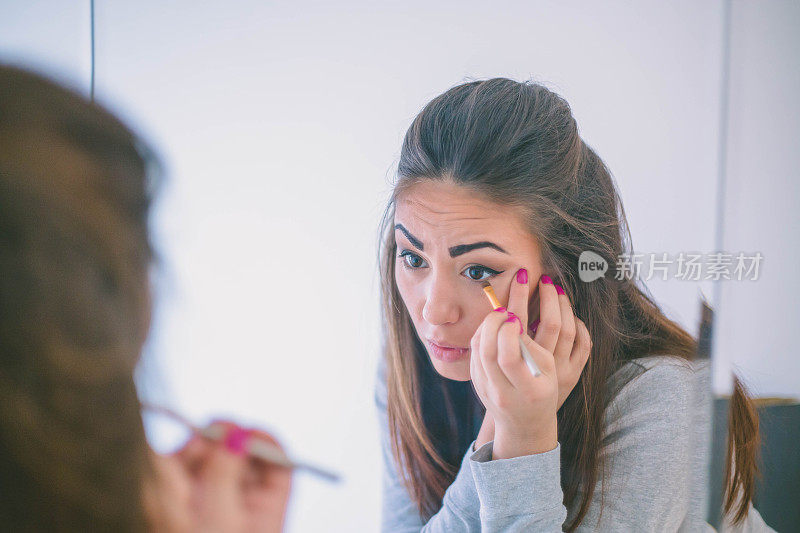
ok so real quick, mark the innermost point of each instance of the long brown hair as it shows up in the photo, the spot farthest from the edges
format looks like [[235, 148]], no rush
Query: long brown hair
[[75, 193], [518, 144]]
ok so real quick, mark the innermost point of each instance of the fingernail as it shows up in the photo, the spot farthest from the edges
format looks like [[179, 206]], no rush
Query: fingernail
[[512, 317], [500, 309], [559, 290], [533, 325], [235, 440], [522, 276], [546, 279]]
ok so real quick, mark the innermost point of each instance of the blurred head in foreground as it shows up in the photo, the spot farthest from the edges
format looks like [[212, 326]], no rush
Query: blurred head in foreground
[[76, 187], [74, 310]]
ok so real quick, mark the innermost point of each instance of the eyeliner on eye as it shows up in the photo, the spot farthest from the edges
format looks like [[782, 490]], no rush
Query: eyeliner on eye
[[484, 269], [408, 255]]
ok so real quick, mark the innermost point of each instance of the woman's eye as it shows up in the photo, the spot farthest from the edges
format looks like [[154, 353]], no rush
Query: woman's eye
[[480, 273], [474, 272], [412, 260]]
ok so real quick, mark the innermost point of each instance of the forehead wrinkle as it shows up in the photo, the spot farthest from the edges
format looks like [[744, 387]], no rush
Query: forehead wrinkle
[[428, 217], [437, 216], [465, 208], [447, 221], [449, 216], [426, 226]]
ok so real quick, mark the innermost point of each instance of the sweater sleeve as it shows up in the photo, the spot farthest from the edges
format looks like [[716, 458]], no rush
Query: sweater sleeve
[[647, 450], [399, 514]]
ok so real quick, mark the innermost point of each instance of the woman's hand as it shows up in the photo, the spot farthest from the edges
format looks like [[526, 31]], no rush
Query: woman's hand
[[568, 371], [522, 407], [211, 486]]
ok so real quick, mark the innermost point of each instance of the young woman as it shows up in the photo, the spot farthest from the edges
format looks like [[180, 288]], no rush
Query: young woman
[[75, 194], [495, 184]]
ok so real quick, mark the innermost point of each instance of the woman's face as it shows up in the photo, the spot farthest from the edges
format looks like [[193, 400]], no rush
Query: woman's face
[[449, 240]]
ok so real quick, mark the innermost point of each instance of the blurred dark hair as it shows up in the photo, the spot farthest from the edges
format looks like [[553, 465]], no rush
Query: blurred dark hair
[[75, 192]]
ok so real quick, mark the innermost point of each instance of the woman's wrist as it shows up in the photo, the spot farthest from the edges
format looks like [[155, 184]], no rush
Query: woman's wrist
[[509, 443], [486, 432]]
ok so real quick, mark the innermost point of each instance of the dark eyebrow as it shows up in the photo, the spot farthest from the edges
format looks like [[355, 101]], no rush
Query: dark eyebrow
[[455, 251], [413, 240]]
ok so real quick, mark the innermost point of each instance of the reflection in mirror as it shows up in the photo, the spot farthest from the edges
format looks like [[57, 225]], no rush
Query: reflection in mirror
[[756, 414], [495, 186], [277, 122]]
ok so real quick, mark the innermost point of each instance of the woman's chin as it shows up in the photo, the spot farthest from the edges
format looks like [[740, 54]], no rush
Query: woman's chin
[[458, 371]]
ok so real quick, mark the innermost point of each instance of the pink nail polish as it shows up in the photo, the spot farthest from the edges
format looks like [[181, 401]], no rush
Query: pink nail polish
[[522, 276], [500, 309], [559, 290], [546, 279], [512, 317], [235, 440]]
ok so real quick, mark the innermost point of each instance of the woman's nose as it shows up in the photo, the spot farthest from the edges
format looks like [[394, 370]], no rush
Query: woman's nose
[[441, 305]]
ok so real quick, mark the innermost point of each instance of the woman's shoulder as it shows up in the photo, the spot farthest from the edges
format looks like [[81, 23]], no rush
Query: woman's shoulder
[[653, 370], [658, 383], [659, 405], [663, 362]]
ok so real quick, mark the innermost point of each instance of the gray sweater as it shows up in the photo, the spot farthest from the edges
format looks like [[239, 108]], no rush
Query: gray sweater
[[654, 444]]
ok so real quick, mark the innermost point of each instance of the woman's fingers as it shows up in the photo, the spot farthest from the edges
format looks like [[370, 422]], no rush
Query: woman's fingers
[[275, 474], [563, 364], [266, 488], [488, 351], [167, 494], [567, 331], [231, 490], [518, 296], [569, 369], [549, 315], [583, 346], [193, 453], [262, 475], [541, 356], [510, 359], [218, 487], [223, 468]]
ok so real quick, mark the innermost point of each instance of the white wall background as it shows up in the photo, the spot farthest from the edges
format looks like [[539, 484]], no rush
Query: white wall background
[[279, 125], [49, 36], [757, 319]]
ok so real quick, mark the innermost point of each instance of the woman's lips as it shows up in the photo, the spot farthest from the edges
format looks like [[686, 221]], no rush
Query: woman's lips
[[447, 354]]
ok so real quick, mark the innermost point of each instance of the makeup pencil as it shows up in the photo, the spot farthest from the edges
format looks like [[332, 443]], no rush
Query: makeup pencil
[[526, 355], [255, 447]]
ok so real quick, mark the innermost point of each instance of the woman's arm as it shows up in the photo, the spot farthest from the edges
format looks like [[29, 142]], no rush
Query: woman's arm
[[650, 448]]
